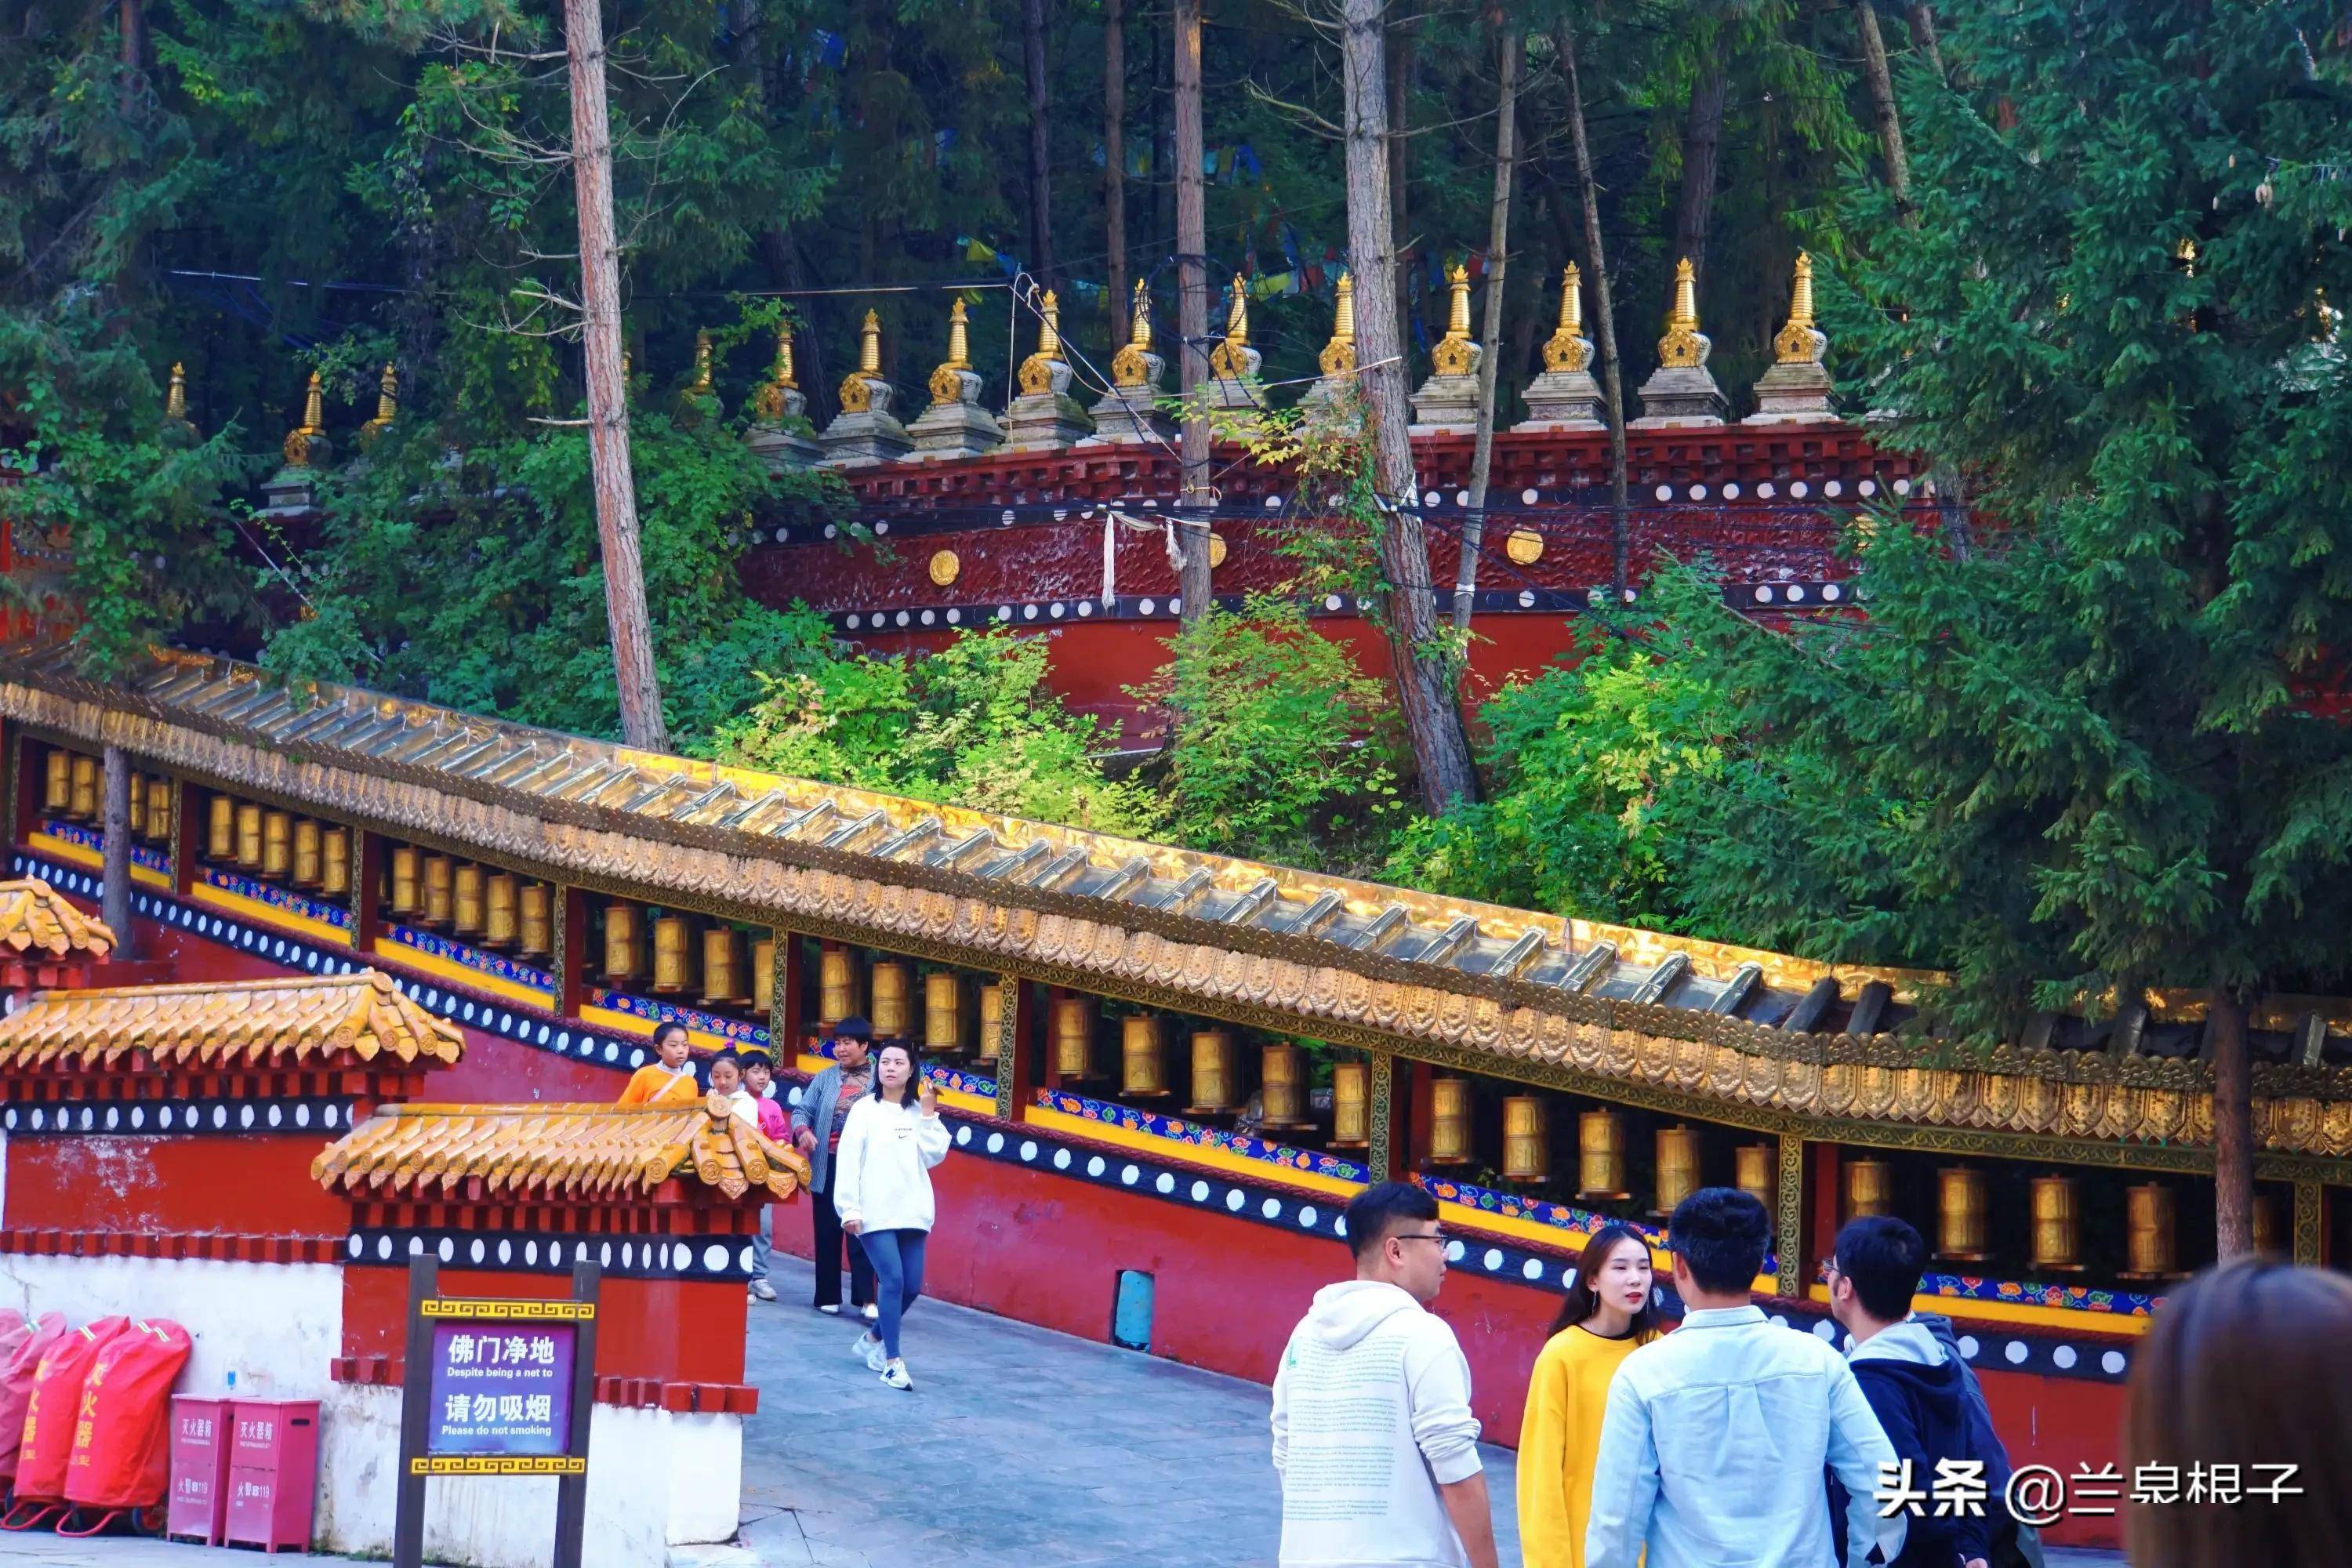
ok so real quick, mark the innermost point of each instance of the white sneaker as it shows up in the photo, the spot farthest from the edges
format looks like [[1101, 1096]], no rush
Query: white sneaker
[[868, 1349], [870, 1312], [895, 1374], [763, 1290], [831, 1308]]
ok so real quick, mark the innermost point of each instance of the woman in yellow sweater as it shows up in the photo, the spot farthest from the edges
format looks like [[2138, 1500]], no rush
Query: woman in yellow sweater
[[1608, 1312]]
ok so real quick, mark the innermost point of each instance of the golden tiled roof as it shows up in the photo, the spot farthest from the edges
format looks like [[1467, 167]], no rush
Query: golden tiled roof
[[35, 915], [558, 1151], [305, 1022]]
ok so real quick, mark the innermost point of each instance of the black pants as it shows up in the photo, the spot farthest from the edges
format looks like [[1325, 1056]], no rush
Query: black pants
[[827, 1226]]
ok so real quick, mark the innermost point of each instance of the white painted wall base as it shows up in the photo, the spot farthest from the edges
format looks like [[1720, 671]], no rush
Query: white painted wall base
[[655, 1479], [277, 1325]]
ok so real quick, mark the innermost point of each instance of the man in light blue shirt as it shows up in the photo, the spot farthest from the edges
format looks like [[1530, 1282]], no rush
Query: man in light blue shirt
[[1716, 1436]]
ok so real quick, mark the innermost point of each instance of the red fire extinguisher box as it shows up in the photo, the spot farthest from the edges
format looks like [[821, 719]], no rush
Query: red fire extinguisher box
[[199, 1468], [273, 1472]]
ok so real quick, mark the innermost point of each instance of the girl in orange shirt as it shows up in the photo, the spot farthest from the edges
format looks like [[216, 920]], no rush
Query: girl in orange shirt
[[669, 1082]]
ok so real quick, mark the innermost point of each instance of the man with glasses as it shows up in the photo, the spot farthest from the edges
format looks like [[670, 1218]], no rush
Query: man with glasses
[[1716, 1436], [1373, 1436]]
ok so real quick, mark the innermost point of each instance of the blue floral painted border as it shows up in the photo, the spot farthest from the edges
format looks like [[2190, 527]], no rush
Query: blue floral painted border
[[1179, 1131], [75, 834], [2016, 1293], [285, 899], [438, 946], [659, 1012], [941, 1073], [1561, 1217]]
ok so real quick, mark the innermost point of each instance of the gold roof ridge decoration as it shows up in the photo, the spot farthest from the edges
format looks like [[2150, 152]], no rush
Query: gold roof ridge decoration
[[175, 401], [1339, 355], [301, 1021], [947, 381], [1565, 349], [768, 404], [856, 395], [34, 915], [299, 440], [1037, 371], [561, 1150], [1228, 359], [1452, 354], [1129, 367], [1684, 347], [387, 404], [1800, 341]]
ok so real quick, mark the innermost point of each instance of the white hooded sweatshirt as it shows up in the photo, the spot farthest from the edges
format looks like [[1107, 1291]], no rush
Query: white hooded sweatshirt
[[1371, 1413]]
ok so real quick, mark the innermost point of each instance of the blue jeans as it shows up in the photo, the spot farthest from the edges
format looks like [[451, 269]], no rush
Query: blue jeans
[[898, 1260], [764, 1244]]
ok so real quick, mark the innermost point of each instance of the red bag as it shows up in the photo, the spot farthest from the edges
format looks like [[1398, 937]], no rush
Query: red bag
[[17, 1365], [121, 1451], [51, 1414]]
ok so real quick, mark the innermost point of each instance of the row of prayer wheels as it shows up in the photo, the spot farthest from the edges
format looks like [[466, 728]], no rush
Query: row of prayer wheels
[[884, 994], [276, 846], [491, 908], [2151, 1247], [71, 789], [1600, 1149], [716, 963]]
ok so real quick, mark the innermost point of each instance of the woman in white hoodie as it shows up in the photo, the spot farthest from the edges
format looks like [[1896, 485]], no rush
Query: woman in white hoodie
[[882, 1190]]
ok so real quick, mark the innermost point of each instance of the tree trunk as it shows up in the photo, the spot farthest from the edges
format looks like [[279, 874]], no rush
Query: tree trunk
[[608, 402], [133, 22], [1424, 675], [1114, 159], [1881, 105], [1192, 502], [1613, 373], [114, 864], [2233, 1126], [1400, 80], [1498, 235], [1041, 214], [1702, 155], [1923, 35]]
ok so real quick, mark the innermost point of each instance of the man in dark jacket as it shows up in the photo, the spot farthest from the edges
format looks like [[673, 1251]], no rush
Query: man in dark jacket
[[1918, 1390], [816, 1131], [2014, 1544]]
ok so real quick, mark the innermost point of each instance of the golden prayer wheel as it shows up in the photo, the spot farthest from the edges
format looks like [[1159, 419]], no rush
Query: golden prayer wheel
[[535, 919], [1213, 1087], [138, 804], [2149, 1251], [1282, 1087], [1752, 1171], [467, 900], [891, 984], [407, 880], [2266, 1226], [58, 793], [764, 976], [277, 844], [305, 854], [248, 835], [1600, 1156], [673, 955], [836, 988], [440, 892], [84, 788], [498, 911], [722, 968], [1960, 1217], [1351, 1105], [2057, 1226], [335, 862], [1449, 1122], [1142, 1061], [1869, 1188], [1527, 1138], [992, 1020], [624, 943], [1074, 1037], [942, 1011], [1678, 1166], [159, 809], [220, 829]]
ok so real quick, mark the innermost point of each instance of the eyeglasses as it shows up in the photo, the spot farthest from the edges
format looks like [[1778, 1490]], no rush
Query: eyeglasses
[[1422, 1235]]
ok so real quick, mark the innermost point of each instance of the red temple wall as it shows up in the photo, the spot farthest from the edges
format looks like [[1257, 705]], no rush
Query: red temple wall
[[253, 1185]]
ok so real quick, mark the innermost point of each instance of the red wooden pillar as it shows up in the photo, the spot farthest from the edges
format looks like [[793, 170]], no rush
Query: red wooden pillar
[[1015, 1067], [1823, 1205], [572, 962], [367, 892], [183, 841], [788, 1026]]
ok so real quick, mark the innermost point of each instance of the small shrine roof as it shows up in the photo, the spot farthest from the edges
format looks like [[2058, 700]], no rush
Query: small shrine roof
[[561, 1151], [35, 915], [307, 1021]]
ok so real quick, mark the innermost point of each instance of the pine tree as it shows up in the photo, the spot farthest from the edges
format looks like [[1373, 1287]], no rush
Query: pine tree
[[2104, 752]]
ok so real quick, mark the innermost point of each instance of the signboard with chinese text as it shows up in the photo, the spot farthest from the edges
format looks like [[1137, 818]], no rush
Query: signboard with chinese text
[[500, 1391]]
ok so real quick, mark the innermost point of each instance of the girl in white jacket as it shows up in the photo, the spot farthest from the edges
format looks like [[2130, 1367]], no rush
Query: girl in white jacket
[[882, 1190]]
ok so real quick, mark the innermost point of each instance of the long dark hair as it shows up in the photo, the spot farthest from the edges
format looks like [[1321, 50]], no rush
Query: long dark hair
[[2246, 1358], [908, 1090], [1580, 1301]]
